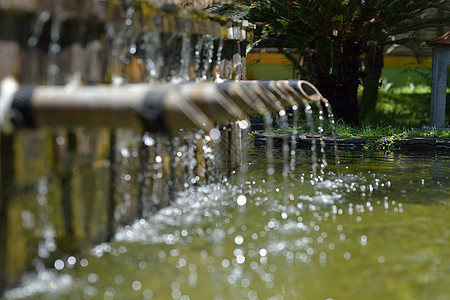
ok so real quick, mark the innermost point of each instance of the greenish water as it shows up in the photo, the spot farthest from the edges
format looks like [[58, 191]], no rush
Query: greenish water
[[379, 230]]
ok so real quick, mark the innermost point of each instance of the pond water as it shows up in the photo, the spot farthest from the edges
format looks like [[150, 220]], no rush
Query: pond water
[[379, 230]]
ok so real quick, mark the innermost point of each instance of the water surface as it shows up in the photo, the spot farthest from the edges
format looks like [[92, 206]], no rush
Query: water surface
[[379, 230]]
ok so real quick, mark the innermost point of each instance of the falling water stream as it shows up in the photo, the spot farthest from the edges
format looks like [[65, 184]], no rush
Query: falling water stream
[[333, 134], [323, 159]]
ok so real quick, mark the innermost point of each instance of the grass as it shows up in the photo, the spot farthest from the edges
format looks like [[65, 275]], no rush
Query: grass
[[369, 131], [402, 106]]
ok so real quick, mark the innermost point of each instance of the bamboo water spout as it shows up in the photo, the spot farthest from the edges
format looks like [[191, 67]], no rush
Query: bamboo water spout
[[163, 107], [309, 92]]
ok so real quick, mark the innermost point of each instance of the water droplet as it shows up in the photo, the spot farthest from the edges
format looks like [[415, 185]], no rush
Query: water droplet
[[60, 140], [125, 153], [33, 41], [243, 124], [93, 278], [239, 240], [148, 293], [59, 264], [28, 220], [182, 262], [136, 285], [263, 252], [84, 262], [148, 141], [214, 134], [225, 263], [363, 240], [142, 265], [118, 279], [347, 255], [240, 259], [133, 49], [245, 283], [71, 260], [55, 48], [241, 200]]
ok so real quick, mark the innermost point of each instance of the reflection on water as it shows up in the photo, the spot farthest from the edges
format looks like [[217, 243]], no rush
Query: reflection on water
[[379, 231]]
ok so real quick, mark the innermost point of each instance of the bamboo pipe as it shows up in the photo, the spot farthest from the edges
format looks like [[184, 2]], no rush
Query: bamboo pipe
[[288, 92], [162, 107], [244, 99], [277, 89], [309, 91], [265, 93], [156, 108], [208, 97]]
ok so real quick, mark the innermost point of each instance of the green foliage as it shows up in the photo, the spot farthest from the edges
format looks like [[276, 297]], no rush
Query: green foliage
[[298, 24], [337, 32]]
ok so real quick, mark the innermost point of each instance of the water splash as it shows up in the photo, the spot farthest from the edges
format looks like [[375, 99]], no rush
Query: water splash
[[129, 13], [45, 281], [310, 122], [53, 71], [239, 72], [117, 39], [323, 162], [159, 193], [295, 113], [228, 69], [268, 121], [285, 147], [47, 244], [333, 134], [38, 28], [185, 58], [185, 53], [153, 55], [145, 173], [244, 127], [123, 39], [208, 55], [219, 61], [198, 57]]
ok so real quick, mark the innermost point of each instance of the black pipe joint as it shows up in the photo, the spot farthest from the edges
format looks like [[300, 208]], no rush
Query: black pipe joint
[[21, 107], [152, 111]]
